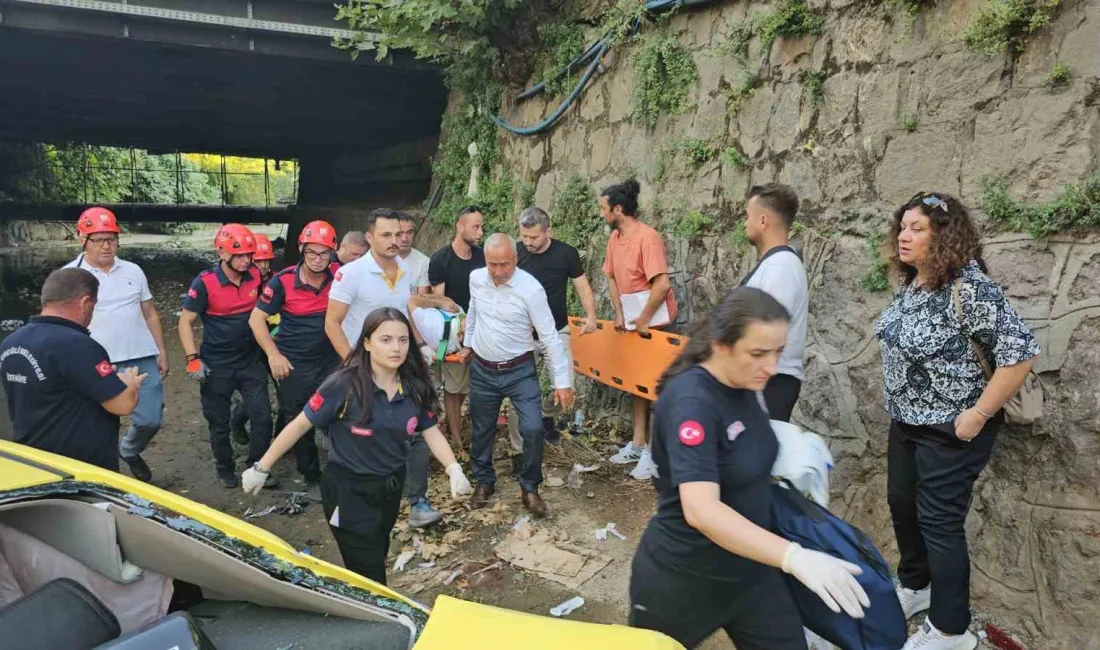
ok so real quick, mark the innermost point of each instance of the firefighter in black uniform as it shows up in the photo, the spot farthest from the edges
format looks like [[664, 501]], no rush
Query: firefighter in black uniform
[[223, 297], [301, 357], [372, 407]]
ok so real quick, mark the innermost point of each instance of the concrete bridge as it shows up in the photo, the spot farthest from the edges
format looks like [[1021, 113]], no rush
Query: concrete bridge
[[243, 77]]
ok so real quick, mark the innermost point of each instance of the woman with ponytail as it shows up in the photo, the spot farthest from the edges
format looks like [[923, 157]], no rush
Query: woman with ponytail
[[707, 559]]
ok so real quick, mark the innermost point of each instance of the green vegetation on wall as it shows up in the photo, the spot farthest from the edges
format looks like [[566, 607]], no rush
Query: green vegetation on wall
[[574, 212], [1059, 74], [1005, 25], [690, 225], [696, 151], [664, 74], [813, 82], [877, 278], [561, 42], [1075, 208]]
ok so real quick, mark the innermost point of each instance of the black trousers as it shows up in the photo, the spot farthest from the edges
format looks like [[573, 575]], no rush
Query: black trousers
[[930, 480], [364, 509], [780, 395], [293, 392], [216, 394], [757, 615]]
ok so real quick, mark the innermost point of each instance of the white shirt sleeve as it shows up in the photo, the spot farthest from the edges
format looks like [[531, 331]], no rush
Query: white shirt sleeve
[[543, 320], [345, 284], [422, 277], [146, 294], [471, 319]]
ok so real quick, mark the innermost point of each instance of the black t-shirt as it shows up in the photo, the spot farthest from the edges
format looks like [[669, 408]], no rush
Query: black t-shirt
[[708, 432], [56, 378], [447, 267], [553, 268], [378, 447]]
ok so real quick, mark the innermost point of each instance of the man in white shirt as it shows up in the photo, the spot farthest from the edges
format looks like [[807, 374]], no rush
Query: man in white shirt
[[417, 261], [378, 279], [126, 324], [769, 215], [352, 247], [506, 304]]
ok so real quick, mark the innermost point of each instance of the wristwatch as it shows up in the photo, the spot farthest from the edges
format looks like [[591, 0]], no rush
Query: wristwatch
[[259, 468]]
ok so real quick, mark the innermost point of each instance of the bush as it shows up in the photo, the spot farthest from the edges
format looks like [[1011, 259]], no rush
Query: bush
[[789, 20], [813, 82], [1059, 74], [910, 123], [696, 151], [877, 279], [691, 224], [1075, 208], [561, 43], [734, 157], [1005, 25], [575, 212], [665, 74]]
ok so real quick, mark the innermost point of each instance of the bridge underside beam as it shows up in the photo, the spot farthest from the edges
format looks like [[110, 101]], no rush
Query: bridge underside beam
[[148, 212]]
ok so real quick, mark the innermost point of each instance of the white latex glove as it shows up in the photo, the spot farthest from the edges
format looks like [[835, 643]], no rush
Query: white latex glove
[[832, 579], [253, 480], [460, 485], [429, 354]]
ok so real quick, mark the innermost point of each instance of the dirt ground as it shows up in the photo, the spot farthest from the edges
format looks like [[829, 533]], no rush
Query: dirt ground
[[181, 462]]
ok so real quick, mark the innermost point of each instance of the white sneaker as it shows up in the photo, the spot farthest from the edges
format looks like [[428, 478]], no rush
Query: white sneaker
[[629, 453], [646, 468], [929, 638], [914, 601]]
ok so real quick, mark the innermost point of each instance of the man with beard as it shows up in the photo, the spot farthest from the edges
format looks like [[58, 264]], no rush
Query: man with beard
[[449, 274], [635, 263]]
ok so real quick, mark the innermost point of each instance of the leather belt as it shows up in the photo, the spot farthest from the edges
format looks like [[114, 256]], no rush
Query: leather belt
[[499, 366]]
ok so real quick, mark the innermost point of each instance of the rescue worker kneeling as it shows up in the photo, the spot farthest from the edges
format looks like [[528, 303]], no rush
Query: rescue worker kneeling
[[708, 560], [372, 407]]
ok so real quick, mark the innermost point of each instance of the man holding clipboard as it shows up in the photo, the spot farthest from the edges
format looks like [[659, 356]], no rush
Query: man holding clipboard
[[641, 293]]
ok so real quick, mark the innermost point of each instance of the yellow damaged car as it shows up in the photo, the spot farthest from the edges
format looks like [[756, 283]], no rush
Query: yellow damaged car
[[93, 559]]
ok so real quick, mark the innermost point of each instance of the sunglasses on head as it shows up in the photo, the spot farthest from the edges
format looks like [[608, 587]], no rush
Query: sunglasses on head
[[931, 200]]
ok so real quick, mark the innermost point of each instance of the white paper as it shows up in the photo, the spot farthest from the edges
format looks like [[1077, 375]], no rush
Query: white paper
[[634, 303], [568, 607], [335, 521]]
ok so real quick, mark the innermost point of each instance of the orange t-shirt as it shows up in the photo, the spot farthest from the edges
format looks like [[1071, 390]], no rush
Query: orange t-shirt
[[634, 261]]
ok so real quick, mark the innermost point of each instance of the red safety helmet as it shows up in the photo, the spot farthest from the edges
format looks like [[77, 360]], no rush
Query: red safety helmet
[[264, 249], [318, 232], [235, 239], [95, 220]]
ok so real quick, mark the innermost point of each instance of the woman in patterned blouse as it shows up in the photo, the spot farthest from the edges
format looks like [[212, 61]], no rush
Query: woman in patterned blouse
[[945, 415]]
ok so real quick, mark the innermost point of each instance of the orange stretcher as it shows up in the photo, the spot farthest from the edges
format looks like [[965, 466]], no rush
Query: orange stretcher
[[628, 361]]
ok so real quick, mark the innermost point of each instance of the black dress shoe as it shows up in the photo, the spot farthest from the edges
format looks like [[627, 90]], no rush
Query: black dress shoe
[[139, 469], [482, 493]]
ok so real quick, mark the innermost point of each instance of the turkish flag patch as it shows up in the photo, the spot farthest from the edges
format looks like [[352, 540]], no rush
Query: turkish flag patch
[[360, 431], [268, 294], [691, 433], [410, 426], [191, 293], [104, 368], [316, 401], [339, 275]]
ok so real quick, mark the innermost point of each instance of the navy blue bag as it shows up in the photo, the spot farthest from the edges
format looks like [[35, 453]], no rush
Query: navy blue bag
[[883, 627]]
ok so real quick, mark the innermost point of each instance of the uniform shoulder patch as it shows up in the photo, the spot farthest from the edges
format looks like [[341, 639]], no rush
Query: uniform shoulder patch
[[104, 368], [192, 293], [268, 294], [316, 401], [339, 275], [410, 426], [692, 433]]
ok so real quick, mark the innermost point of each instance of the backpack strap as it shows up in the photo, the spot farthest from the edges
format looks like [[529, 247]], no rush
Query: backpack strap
[[771, 251], [956, 299]]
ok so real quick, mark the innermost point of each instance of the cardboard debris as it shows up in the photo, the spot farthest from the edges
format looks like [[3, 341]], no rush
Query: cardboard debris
[[570, 566]]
